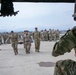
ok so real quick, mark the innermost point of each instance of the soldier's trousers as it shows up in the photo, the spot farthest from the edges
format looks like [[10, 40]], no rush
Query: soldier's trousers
[[46, 38], [42, 38], [37, 45], [65, 67], [50, 38], [27, 46], [15, 47]]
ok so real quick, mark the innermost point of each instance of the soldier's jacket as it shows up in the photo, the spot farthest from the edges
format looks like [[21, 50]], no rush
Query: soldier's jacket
[[65, 67], [45, 33], [50, 33], [36, 35], [26, 38], [41, 34], [4, 36], [66, 43], [14, 38]]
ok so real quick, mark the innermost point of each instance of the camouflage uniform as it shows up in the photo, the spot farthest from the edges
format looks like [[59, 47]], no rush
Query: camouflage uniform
[[4, 37], [37, 40], [65, 44], [57, 34], [50, 35], [42, 35], [65, 67], [53, 35], [14, 41], [45, 35], [9, 39], [27, 42]]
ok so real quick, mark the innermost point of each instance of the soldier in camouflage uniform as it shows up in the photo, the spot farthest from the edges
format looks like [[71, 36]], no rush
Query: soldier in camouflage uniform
[[45, 35], [27, 41], [54, 35], [7, 34], [37, 40], [50, 35], [14, 41], [4, 37], [65, 44], [42, 35], [57, 34], [65, 67]]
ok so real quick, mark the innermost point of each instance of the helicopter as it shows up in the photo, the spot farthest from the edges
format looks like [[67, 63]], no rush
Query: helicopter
[[7, 8]]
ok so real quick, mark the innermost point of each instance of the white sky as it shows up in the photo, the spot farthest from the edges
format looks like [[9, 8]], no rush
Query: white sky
[[41, 15]]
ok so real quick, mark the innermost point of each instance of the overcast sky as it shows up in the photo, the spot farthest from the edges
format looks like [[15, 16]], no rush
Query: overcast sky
[[41, 15]]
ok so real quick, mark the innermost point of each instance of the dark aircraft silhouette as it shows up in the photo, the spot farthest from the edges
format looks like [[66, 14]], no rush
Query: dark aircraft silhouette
[[69, 1], [66, 1], [7, 8]]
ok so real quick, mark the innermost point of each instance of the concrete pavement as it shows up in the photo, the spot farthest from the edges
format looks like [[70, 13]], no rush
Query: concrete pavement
[[30, 64]]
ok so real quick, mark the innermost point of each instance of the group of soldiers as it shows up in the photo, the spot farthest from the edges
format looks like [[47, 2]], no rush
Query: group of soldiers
[[65, 44], [28, 37], [45, 35], [3, 38], [50, 35]]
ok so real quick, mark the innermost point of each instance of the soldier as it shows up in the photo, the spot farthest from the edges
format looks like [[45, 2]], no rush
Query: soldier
[[4, 38], [42, 35], [65, 44], [57, 34], [65, 67], [53, 35], [50, 35], [45, 35], [7, 37], [37, 40], [14, 41], [27, 41]]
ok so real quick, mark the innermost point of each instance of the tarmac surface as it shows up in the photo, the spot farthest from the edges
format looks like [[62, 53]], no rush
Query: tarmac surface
[[41, 63]]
